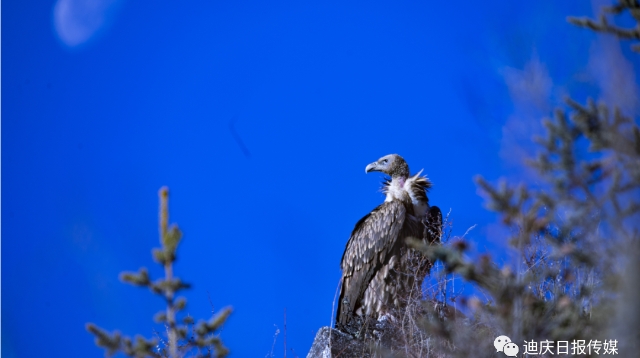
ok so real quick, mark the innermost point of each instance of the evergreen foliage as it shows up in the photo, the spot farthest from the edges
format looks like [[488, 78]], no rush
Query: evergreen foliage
[[630, 6], [183, 339], [576, 232]]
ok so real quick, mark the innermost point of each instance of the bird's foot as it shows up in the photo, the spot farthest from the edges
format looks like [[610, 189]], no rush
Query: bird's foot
[[384, 323], [386, 319]]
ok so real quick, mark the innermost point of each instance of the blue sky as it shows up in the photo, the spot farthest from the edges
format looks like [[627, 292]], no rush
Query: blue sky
[[104, 104]]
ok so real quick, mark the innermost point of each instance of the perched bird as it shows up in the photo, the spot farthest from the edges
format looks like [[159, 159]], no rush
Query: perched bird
[[379, 271]]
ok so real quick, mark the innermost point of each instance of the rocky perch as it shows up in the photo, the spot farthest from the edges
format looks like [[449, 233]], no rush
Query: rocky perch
[[331, 343]]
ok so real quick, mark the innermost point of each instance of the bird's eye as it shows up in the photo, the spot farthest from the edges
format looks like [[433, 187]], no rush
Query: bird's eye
[[384, 161]]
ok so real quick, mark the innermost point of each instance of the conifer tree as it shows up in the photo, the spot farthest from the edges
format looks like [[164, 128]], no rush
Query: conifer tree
[[577, 233], [183, 338]]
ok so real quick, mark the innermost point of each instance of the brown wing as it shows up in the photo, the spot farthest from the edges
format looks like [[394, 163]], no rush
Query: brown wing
[[372, 241]]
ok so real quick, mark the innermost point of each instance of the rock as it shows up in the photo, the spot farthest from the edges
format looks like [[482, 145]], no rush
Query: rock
[[331, 343]]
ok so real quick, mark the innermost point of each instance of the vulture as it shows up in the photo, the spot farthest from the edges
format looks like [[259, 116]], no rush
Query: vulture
[[379, 271]]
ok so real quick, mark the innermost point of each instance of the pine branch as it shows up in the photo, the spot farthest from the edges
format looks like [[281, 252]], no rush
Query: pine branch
[[203, 336], [602, 25]]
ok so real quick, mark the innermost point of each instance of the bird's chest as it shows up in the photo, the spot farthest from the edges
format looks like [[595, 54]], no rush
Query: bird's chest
[[396, 191], [403, 192]]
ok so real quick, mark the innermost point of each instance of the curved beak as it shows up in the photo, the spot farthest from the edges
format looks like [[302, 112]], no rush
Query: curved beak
[[371, 167]]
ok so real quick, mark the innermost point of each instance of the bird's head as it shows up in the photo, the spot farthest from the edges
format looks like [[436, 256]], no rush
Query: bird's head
[[391, 164]]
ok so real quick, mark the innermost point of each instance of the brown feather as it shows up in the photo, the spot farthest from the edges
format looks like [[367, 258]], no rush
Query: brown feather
[[374, 241], [372, 260]]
